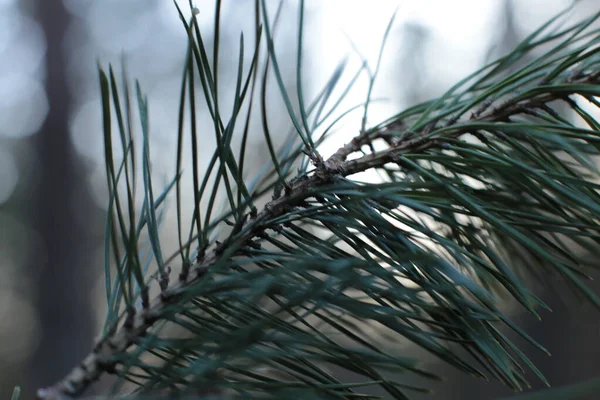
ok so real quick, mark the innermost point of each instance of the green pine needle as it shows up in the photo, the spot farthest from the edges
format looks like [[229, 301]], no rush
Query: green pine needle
[[284, 277]]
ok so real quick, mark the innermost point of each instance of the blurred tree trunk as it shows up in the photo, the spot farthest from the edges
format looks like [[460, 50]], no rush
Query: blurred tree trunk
[[63, 274]]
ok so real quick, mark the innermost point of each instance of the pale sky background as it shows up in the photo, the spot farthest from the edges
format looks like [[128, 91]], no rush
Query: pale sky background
[[150, 34]]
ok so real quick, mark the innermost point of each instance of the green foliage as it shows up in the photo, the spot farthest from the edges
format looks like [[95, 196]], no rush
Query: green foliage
[[496, 177]]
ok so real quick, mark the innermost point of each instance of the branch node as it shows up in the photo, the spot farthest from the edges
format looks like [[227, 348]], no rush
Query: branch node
[[185, 271], [201, 254], [253, 244], [201, 271], [107, 366], [131, 311], [145, 297], [277, 190], [164, 278], [253, 212]]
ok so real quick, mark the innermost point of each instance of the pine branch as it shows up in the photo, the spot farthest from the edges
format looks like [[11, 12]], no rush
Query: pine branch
[[139, 321], [527, 200]]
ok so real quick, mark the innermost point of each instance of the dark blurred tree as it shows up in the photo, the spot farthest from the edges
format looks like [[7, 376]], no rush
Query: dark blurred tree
[[60, 208]]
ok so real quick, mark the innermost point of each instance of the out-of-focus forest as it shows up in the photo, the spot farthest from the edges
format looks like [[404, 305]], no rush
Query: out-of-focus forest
[[52, 187]]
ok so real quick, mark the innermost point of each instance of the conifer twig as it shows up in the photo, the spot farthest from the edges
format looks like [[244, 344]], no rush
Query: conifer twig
[[137, 322]]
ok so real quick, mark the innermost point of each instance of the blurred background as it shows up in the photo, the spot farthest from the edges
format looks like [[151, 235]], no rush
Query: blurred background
[[52, 187]]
